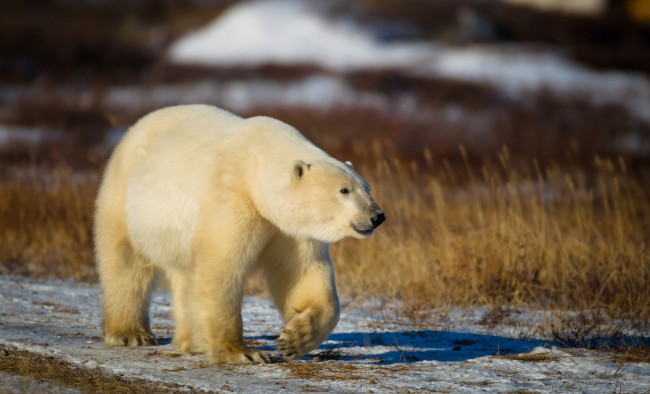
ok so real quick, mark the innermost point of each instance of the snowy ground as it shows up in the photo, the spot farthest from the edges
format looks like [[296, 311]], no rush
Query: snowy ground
[[369, 350], [297, 32]]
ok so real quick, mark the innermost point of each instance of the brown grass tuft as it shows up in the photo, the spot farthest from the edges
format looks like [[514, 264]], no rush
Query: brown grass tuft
[[632, 354], [66, 377], [323, 371], [532, 357]]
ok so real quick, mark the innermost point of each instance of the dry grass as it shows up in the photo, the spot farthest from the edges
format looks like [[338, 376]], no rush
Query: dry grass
[[323, 371], [67, 377], [46, 222], [548, 237], [632, 353], [593, 330], [626, 349], [552, 237], [532, 357]]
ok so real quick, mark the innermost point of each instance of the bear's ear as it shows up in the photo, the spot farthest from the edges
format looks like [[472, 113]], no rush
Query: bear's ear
[[299, 168], [349, 163]]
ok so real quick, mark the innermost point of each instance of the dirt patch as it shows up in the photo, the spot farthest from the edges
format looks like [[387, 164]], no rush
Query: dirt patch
[[533, 357], [58, 372], [324, 371]]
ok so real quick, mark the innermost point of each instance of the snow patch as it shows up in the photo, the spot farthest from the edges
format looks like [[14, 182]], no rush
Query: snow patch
[[292, 32], [284, 32]]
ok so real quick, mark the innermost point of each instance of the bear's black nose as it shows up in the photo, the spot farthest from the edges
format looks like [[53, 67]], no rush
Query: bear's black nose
[[378, 218]]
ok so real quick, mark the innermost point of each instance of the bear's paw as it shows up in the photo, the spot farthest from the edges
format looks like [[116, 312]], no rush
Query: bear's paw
[[244, 356], [132, 338], [299, 336]]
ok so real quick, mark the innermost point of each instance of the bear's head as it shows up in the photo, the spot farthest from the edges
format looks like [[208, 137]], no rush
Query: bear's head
[[328, 201]]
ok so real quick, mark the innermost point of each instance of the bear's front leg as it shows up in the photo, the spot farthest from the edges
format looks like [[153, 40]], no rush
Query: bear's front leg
[[301, 280], [306, 329], [216, 304]]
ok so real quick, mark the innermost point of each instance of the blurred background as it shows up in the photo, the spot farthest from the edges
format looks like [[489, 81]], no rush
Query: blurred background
[[547, 78], [508, 141]]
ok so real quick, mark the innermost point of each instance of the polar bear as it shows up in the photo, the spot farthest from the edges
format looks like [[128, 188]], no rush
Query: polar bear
[[206, 196]]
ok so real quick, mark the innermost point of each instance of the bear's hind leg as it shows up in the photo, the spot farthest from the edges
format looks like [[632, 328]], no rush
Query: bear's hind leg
[[178, 280], [127, 280]]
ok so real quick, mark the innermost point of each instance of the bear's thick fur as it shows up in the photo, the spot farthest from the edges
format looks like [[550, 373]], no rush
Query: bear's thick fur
[[206, 196]]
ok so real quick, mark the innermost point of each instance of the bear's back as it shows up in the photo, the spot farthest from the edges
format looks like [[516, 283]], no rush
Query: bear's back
[[179, 129], [166, 159]]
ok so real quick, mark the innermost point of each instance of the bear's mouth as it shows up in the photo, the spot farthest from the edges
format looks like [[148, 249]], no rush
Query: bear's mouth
[[362, 232]]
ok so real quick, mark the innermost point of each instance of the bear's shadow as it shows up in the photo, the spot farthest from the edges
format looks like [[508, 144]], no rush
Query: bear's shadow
[[164, 341], [412, 346]]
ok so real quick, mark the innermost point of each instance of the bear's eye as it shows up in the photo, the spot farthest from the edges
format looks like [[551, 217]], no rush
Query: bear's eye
[[344, 190]]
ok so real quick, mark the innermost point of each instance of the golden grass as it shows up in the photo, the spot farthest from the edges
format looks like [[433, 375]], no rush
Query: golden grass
[[67, 377], [323, 371], [46, 221], [631, 354], [532, 357], [557, 237]]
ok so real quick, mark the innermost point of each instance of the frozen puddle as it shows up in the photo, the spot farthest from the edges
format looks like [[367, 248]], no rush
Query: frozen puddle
[[364, 353]]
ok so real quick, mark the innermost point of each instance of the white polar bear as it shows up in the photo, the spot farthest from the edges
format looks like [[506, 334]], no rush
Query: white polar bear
[[206, 196]]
